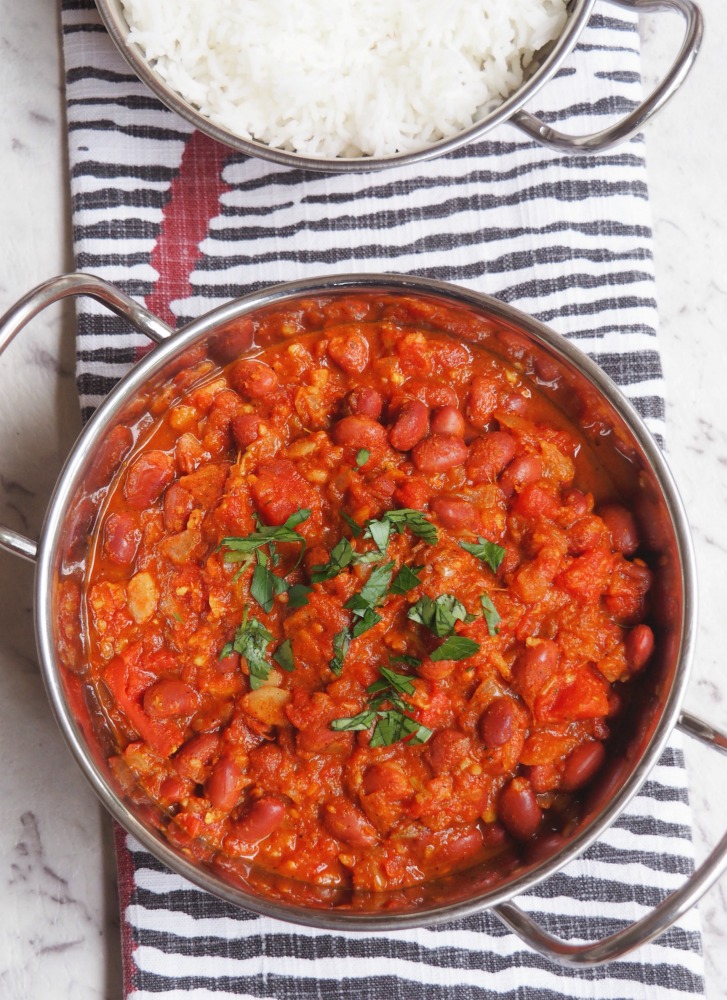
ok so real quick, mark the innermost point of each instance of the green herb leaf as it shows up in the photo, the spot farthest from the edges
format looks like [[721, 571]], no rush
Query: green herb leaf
[[456, 647], [488, 552], [239, 548], [392, 723], [364, 720], [377, 584], [369, 619], [362, 456], [265, 584], [390, 678], [406, 579], [415, 521], [341, 642], [364, 558], [379, 532], [356, 529], [298, 595], [394, 726], [341, 556], [440, 615], [492, 617], [283, 655], [251, 642], [411, 661]]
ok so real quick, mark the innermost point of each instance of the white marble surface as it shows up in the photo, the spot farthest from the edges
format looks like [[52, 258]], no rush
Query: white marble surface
[[58, 919]]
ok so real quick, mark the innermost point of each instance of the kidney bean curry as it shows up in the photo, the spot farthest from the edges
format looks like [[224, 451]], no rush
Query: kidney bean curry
[[362, 603]]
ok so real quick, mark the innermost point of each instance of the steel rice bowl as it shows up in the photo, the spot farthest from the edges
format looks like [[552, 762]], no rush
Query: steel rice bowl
[[63, 549], [543, 67]]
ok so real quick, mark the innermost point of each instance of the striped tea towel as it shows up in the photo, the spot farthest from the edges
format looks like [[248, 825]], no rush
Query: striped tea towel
[[185, 224]]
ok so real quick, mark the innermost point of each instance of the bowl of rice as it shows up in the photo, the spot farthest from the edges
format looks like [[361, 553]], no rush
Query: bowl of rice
[[381, 82]]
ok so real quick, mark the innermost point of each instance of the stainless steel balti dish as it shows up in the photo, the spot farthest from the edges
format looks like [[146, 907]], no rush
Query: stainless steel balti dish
[[545, 65], [62, 553]]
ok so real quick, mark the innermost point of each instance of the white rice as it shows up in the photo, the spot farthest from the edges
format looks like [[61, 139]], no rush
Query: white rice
[[333, 78]]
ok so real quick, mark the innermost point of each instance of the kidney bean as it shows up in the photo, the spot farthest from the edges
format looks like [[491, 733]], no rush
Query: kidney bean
[[121, 538], [439, 453], [253, 378], [494, 836], [546, 369], [490, 455], [535, 666], [350, 351], [413, 493], [359, 431], [246, 428], [498, 722], [581, 765], [545, 846], [196, 755], [225, 783], [447, 748], [368, 402], [448, 420], [481, 401], [522, 471], [147, 478], [639, 643], [434, 394], [263, 817], [168, 697], [178, 505], [345, 822], [622, 527], [518, 810], [458, 847], [455, 512], [543, 777], [410, 426], [389, 778]]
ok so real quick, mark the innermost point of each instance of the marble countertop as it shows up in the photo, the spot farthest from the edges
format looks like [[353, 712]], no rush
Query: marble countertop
[[59, 932]]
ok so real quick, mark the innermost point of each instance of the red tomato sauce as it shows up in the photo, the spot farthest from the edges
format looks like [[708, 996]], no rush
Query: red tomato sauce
[[362, 605]]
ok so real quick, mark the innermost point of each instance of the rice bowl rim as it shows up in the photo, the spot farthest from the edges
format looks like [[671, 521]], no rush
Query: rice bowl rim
[[578, 13]]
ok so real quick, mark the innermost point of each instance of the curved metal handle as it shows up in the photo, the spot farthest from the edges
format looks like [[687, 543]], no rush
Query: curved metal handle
[[34, 302], [636, 119], [649, 927]]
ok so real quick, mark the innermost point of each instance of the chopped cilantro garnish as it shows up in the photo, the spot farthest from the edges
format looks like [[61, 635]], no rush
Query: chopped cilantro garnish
[[492, 618], [298, 595], [367, 621], [456, 647], [405, 580], [372, 591], [488, 552], [341, 556], [283, 655], [355, 527], [379, 532], [265, 584], [251, 642], [440, 615], [341, 642], [390, 724], [415, 521]]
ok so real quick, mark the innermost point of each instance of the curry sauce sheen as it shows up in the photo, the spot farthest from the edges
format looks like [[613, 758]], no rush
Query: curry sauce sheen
[[362, 605]]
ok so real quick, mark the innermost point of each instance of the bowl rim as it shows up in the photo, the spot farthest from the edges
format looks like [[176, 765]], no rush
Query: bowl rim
[[112, 15], [104, 419]]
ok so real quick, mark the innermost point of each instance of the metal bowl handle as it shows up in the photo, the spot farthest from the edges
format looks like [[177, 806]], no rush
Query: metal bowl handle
[[36, 301], [635, 120], [649, 927]]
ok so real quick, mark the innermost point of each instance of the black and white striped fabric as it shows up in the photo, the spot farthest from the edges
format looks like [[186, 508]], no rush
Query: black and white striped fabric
[[567, 240]]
